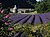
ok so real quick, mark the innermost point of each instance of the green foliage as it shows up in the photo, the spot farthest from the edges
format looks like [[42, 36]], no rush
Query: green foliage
[[33, 31], [43, 7], [4, 28]]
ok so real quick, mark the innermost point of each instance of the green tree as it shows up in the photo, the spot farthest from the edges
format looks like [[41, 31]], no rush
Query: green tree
[[43, 6]]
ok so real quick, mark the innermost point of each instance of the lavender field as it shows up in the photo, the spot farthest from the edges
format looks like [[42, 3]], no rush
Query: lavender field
[[24, 22]]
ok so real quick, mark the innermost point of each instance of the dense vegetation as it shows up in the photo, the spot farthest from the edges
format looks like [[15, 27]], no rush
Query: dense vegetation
[[19, 3], [32, 31], [43, 6], [23, 30]]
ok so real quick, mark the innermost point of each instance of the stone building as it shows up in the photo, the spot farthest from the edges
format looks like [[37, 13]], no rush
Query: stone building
[[20, 10]]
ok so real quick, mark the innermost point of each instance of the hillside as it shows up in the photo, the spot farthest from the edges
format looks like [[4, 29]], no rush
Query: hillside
[[19, 3]]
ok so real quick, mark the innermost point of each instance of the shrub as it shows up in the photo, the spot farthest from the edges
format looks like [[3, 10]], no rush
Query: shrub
[[33, 31]]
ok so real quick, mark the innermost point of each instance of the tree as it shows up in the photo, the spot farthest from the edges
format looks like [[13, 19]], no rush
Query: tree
[[43, 6]]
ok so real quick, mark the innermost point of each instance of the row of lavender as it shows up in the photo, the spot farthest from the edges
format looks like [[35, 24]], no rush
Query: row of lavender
[[7, 30], [32, 19]]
